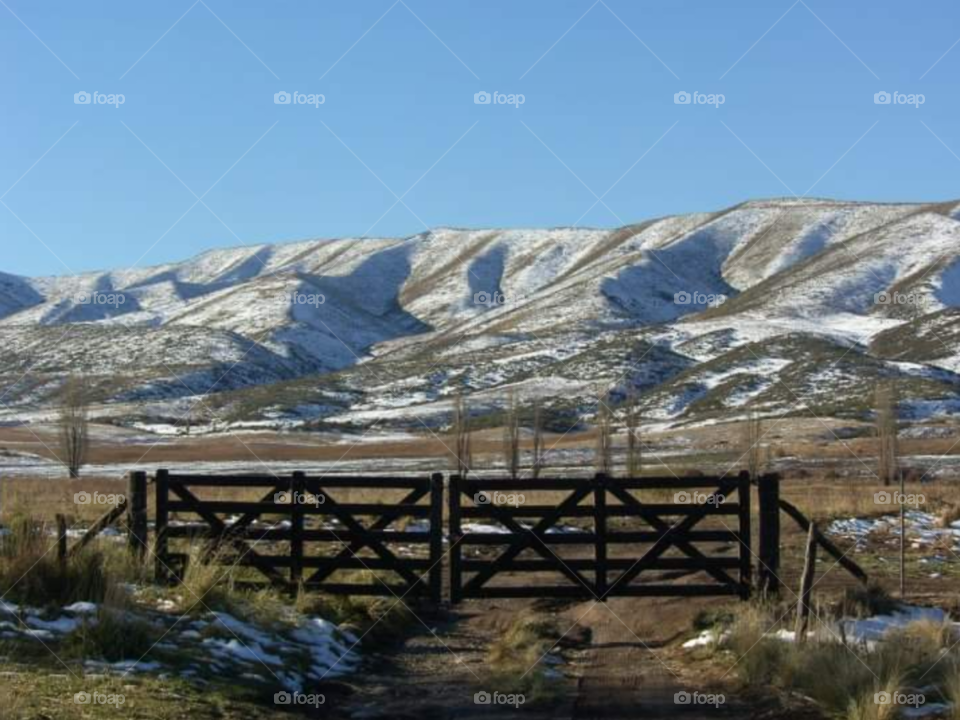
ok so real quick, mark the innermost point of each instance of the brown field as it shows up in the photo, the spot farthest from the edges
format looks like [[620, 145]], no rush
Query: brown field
[[626, 647]]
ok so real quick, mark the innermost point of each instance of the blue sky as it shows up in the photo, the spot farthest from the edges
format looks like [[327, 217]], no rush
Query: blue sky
[[115, 185]]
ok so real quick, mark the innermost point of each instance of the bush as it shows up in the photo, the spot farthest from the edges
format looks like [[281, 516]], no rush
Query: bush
[[115, 633], [840, 677], [31, 574]]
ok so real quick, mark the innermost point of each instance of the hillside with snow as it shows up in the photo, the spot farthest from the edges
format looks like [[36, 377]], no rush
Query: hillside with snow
[[777, 306]]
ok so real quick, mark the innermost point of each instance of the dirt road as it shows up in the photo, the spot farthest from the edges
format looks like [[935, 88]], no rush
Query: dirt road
[[625, 674], [618, 665]]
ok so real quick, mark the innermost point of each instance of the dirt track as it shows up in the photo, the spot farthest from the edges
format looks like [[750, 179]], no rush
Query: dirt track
[[621, 663]]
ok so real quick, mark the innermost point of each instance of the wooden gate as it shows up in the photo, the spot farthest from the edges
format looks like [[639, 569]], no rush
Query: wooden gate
[[602, 537], [313, 532]]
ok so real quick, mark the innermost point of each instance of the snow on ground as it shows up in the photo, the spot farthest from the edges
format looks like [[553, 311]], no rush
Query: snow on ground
[[215, 645], [923, 529], [865, 632]]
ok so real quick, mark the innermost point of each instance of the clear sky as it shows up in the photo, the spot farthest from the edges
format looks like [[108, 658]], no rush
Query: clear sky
[[96, 186]]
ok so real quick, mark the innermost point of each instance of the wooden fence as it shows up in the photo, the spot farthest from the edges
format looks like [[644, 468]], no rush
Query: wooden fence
[[589, 538]]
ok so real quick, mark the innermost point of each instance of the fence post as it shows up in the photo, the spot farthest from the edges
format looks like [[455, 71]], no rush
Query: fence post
[[298, 491], [456, 580], [62, 542], [743, 495], [768, 493], [806, 585], [160, 541], [600, 531], [436, 538], [137, 514]]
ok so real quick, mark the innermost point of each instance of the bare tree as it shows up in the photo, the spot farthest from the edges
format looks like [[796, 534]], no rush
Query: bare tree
[[511, 437], [634, 440], [604, 437], [538, 454], [754, 452], [886, 428], [461, 431], [74, 424]]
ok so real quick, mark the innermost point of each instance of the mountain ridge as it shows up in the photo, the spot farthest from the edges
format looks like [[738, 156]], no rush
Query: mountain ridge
[[539, 301]]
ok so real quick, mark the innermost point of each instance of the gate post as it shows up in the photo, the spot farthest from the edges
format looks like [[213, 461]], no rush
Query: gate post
[[297, 497], [436, 538], [743, 496], [160, 542], [768, 493], [456, 575], [600, 533], [137, 514]]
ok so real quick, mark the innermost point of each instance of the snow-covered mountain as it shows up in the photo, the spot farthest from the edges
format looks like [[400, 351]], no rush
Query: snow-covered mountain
[[782, 306]]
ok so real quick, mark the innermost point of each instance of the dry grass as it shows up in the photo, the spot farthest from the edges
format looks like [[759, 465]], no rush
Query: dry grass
[[115, 633], [948, 515], [516, 659], [841, 678], [30, 572], [826, 499]]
